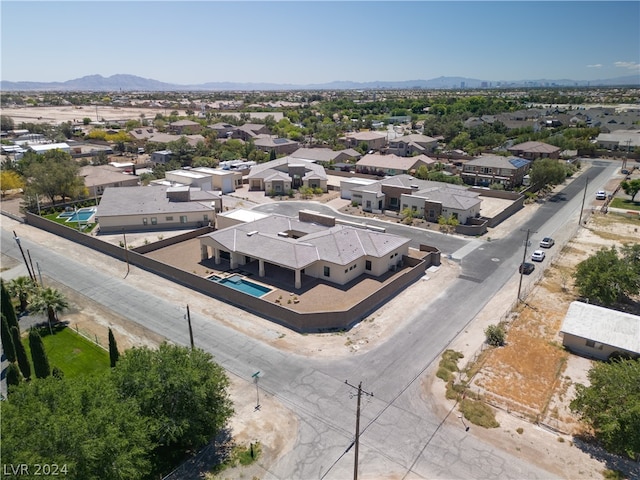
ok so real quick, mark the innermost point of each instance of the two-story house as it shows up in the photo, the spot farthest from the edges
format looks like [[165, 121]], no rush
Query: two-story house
[[488, 169]]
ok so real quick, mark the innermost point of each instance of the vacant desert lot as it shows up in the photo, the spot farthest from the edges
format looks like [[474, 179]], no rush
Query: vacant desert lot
[[59, 114]]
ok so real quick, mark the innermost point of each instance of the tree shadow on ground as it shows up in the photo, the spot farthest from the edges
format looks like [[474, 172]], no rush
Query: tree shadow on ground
[[595, 450], [213, 454]]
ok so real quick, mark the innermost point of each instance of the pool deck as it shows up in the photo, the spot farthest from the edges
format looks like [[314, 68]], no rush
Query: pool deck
[[312, 297]]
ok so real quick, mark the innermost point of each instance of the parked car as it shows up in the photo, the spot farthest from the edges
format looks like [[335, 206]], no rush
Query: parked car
[[547, 242], [601, 195], [526, 268], [537, 256]]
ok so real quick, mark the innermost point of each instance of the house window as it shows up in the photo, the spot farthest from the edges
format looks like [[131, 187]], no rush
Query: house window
[[206, 217], [183, 219], [367, 265], [327, 271], [346, 270], [169, 219], [393, 202], [154, 220], [591, 343], [414, 208], [144, 221], [432, 213]]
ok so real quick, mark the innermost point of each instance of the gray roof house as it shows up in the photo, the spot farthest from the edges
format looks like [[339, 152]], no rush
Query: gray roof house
[[413, 144], [156, 208], [286, 173], [389, 164], [600, 332], [336, 254], [280, 145]]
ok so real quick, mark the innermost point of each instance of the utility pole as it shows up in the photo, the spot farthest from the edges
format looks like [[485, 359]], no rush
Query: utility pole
[[357, 438], [17, 239], [584, 196], [524, 259], [126, 252], [190, 330]]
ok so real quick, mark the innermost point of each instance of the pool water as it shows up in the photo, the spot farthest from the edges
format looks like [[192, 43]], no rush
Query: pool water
[[238, 283], [82, 215]]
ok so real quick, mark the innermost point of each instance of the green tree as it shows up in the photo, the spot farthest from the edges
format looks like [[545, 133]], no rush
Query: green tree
[[605, 278], [55, 175], [81, 423], [631, 188], [182, 391], [7, 341], [547, 171], [6, 306], [611, 405], [6, 123], [21, 353], [86, 121], [13, 375], [408, 214], [50, 301], [114, 354], [21, 287], [41, 367]]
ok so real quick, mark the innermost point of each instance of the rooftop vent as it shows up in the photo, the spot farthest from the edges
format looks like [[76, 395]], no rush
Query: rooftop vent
[[249, 234]]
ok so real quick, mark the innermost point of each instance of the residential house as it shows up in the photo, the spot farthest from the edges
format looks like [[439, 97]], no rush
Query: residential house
[[534, 150], [166, 138], [156, 208], [600, 332], [286, 173], [374, 163], [143, 133], [251, 131], [337, 254], [184, 127], [280, 145], [227, 181], [624, 140], [373, 140], [223, 130], [428, 199], [100, 177], [488, 169], [412, 144]]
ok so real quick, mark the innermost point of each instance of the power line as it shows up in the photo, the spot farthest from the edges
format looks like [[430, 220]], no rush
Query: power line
[[356, 442]]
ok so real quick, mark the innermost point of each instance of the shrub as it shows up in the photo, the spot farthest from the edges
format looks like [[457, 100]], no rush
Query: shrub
[[478, 413], [495, 335]]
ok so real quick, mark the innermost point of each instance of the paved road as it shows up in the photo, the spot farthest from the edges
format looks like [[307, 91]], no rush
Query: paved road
[[399, 433]]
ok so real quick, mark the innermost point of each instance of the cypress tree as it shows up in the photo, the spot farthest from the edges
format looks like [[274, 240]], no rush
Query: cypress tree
[[41, 366], [7, 342], [13, 375], [21, 353], [6, 307], [114, 354]]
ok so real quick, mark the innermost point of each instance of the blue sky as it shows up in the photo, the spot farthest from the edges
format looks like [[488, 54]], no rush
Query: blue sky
[[317, 42]]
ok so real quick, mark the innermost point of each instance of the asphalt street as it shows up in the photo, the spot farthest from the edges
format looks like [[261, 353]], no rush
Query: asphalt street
[[399, 432]]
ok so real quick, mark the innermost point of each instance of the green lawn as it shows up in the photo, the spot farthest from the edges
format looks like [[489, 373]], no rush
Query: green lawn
[[72, 353], [624, 203]]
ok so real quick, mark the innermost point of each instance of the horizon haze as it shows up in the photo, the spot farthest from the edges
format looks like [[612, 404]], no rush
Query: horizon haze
[[318, 42]]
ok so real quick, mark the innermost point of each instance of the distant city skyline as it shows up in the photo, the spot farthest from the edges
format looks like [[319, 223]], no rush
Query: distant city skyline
[[309, 42]]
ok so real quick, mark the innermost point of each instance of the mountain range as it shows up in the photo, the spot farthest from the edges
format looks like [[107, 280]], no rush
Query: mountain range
[[125, 82]]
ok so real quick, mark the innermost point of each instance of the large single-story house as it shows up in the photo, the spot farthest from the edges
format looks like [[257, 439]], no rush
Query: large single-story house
[[625, 140], [286, 173], [388, 164], [205, 178], [100, 177], [325, 156], [535, 150], [600, 332], [336, 254], [156, 208], [373, 140], [412, 144], [488, 169]]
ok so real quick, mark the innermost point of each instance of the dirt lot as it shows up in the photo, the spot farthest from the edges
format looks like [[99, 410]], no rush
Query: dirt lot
[[59, 114]]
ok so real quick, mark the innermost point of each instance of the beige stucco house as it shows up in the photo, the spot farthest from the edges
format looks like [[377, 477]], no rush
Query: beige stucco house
[[286, 173], [156, 208], [336, 254]]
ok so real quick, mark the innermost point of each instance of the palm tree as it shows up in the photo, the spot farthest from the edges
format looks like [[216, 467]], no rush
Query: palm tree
[[50, 301], [21, 287]]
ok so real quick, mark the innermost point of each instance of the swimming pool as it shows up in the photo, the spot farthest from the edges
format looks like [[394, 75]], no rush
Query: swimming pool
[[238, 283], [81, 215]]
